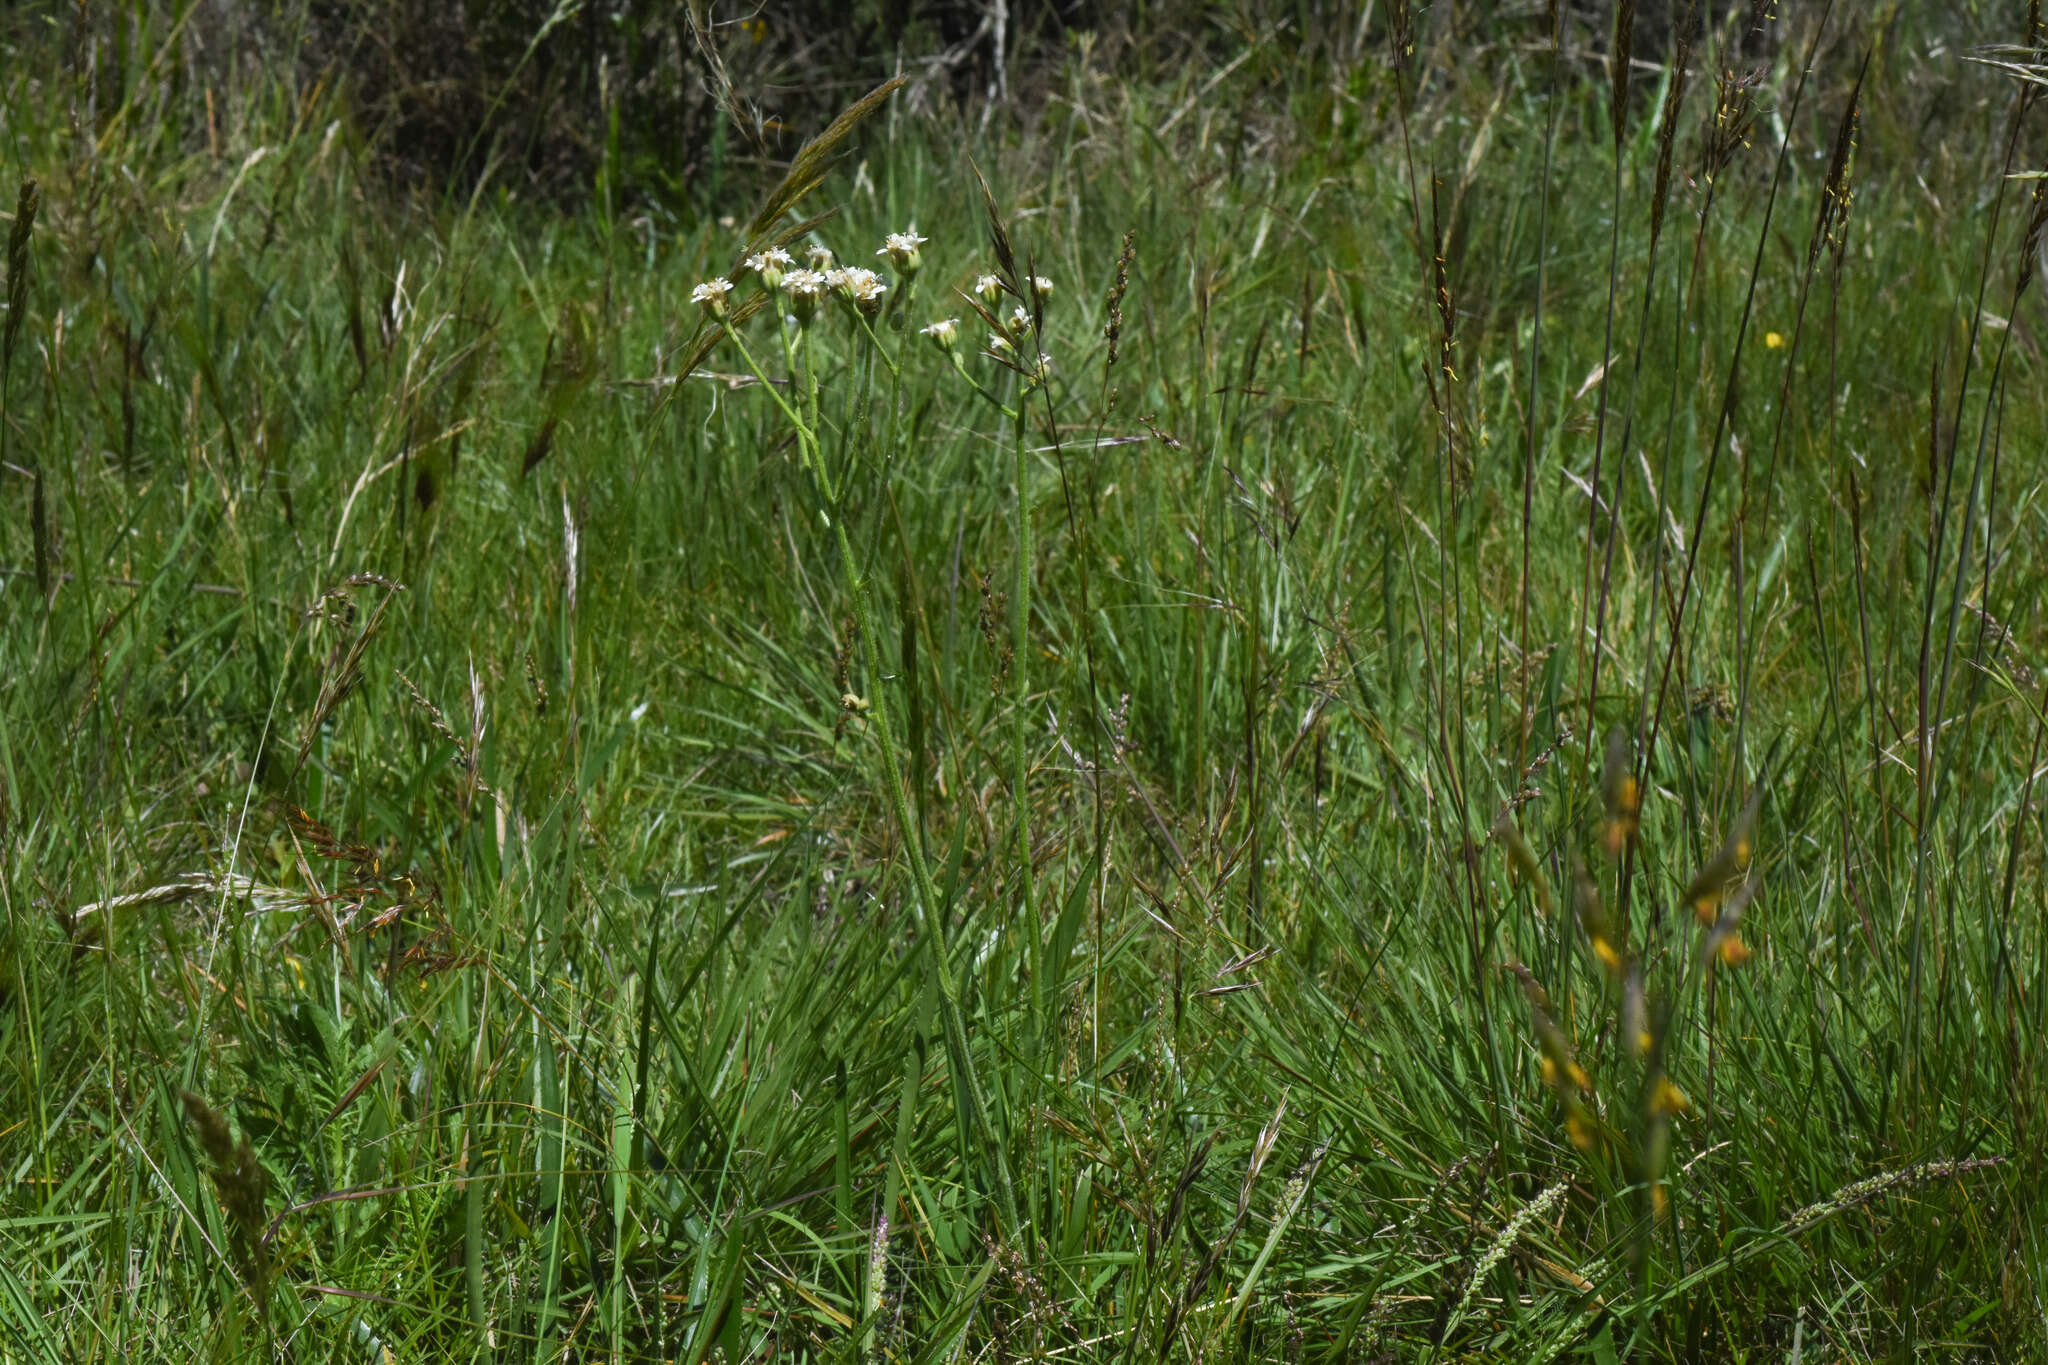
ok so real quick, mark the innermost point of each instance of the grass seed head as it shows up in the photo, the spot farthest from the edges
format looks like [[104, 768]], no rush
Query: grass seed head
[[238, 1176], [1113, 305], [1622, 794]]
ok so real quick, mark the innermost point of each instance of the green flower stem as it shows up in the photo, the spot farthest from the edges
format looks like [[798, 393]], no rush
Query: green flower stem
[[1020, 674], [975, 384], [876, 342], [807, 451], [894, 791]]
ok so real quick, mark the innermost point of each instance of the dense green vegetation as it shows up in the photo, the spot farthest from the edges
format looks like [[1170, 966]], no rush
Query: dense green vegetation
[[1453, 778]]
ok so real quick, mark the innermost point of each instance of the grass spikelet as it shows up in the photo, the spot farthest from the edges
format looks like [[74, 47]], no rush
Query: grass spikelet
[[343, 669], [1734, 117], [1113, 302], [999, 236], [239, 1178], [1607, 939], [18, 263], [1836, 195], [1531, 1215], [1619, 52], [2030, 241], [1622, 794], [807, 170], [1523, 860], [1722, 872]]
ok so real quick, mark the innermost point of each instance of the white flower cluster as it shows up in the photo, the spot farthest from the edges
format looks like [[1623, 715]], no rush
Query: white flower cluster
[[807, 286], [821, 274], [859, 286]]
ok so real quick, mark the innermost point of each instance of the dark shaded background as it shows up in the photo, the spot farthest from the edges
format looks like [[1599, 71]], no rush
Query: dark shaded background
[[669, 101]]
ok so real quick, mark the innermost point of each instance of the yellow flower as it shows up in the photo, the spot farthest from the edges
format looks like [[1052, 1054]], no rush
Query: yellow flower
[[1580, 1132], [1734, 952], [1774, 340], [1668, 1099]]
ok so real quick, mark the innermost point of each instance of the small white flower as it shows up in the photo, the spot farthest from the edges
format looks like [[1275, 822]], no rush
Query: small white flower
[[805, 288], [711, 295], [1041, 289], [999, 345], [989, 287], [819, 257], [770, 265], [901, 248], [1018, 323], [944, 334], [867, 292], [839, 277]]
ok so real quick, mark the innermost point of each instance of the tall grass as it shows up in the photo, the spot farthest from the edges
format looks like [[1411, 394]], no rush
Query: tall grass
[[1453, 777]]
